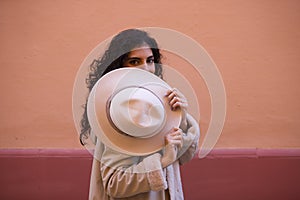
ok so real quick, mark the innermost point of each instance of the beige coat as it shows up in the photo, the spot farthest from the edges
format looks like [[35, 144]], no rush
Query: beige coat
[[120, 176]]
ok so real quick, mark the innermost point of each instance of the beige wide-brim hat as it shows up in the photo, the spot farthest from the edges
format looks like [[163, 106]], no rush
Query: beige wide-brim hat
[[128, 111]]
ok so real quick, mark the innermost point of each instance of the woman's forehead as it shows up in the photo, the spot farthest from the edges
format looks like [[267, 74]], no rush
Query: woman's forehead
[[144, 51]]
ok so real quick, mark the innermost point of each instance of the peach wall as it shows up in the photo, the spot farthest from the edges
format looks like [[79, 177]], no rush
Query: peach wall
[[255, 44]]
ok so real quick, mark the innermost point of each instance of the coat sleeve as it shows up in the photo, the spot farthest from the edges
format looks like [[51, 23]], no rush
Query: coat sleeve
[[96, 191], [124, 175], [96, 185], [190, 141]]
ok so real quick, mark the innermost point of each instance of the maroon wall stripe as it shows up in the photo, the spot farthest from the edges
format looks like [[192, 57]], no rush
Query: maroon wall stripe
[[223, 174]]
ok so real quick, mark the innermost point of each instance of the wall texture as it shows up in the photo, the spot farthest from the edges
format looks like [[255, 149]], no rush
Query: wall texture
[[255, 45]]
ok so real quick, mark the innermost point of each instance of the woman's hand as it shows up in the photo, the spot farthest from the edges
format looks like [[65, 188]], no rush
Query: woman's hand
[[173, 141], [177, 100]]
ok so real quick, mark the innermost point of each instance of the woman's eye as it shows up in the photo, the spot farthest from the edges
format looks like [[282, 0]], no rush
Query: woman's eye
[[151, 60], [134, 62]]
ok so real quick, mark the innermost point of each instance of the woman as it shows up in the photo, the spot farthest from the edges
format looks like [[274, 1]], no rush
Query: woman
[[121, 179]]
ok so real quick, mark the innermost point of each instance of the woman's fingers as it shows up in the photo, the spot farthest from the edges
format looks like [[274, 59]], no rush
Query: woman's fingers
[[175, 137], [176, 99], [174, 140]]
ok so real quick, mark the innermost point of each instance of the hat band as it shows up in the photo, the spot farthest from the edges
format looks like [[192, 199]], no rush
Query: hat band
[[108, 109]]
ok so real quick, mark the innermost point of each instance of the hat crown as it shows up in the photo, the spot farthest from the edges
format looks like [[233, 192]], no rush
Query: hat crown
[[137, 111]]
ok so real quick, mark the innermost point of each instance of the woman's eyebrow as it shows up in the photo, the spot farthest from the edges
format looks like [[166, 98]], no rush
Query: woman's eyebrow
[[138, 58], [133, 58]]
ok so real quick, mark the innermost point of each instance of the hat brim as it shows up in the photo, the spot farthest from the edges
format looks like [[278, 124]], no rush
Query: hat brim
[[101, 125]]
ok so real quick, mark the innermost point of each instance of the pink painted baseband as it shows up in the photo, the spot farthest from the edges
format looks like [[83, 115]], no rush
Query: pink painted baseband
[[223, 174]]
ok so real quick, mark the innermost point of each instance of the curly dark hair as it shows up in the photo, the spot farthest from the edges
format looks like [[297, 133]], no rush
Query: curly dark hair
[[113, 58]]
